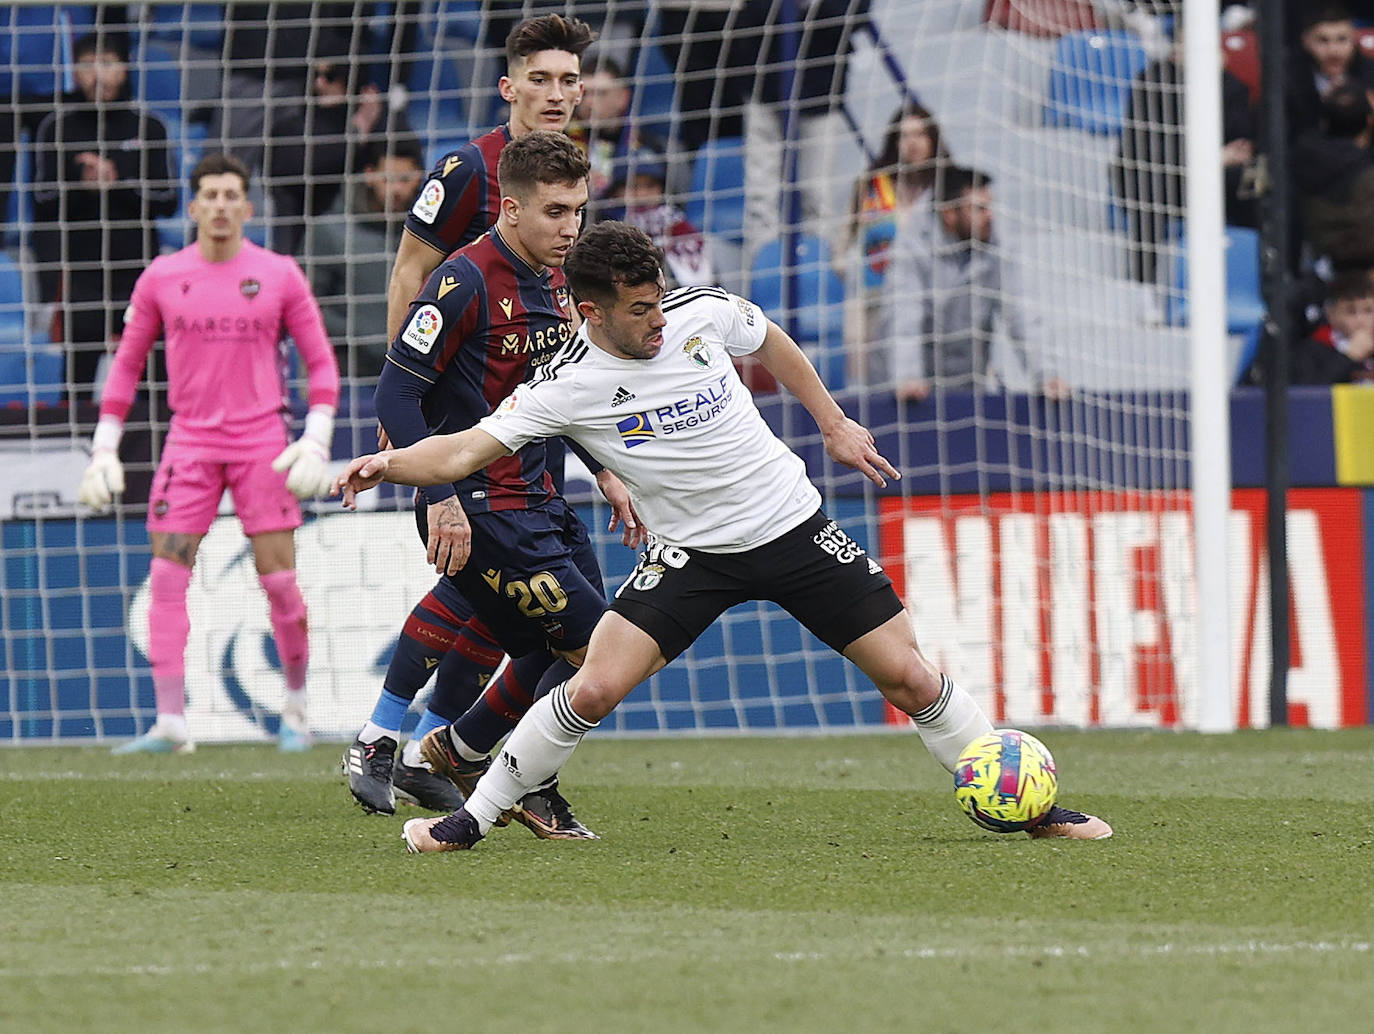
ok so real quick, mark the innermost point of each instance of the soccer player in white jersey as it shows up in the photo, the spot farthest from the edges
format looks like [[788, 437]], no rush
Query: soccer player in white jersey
[[648, 388], [223, 306]]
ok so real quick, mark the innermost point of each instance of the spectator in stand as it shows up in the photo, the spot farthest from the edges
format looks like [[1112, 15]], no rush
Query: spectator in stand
[[1341, 349], [1148, 171], [348, 251], [35, 68], [102, 173], [288, 70], [897, 189], [1328, 56], [945, 295], [310, 170], [1333, 171], [603, 126], [638, 195]]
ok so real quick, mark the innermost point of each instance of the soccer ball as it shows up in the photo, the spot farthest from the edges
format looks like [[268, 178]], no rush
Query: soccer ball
[[1005, 780]]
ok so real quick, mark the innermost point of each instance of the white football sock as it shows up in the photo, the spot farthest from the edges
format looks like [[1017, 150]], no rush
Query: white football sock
[[172, 726], [951, 723], [410, 755], [540, 745], [372, 732]]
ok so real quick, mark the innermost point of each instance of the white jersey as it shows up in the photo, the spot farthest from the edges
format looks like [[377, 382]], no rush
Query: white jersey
[[680, 429]]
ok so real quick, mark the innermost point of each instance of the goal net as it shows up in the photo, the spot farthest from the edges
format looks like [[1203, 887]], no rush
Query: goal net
[[930, 195]]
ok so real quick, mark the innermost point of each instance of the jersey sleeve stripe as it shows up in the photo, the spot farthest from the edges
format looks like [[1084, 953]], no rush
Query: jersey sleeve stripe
[[683, 295], [570, 355]]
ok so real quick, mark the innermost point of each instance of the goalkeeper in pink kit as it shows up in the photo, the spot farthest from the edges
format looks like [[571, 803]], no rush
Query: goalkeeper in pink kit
[[223, 306]]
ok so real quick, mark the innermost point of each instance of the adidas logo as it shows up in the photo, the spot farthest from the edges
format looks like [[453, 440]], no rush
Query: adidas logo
[[873, 567], [622, 395]]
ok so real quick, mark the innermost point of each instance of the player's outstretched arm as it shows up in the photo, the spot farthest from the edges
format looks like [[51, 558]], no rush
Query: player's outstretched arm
[[438, 460], [847, 441]]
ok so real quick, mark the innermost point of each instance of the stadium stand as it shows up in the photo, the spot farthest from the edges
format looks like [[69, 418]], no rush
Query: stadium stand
[[1090, 79]]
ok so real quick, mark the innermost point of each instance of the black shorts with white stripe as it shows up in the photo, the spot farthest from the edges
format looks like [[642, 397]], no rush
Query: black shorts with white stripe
[[815, 572]]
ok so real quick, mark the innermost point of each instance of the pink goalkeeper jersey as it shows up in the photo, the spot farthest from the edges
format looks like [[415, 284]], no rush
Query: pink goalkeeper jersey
[[226, 368]]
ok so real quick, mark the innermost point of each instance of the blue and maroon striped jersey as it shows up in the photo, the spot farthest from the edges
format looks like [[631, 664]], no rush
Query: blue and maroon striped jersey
[[460, 200], [484, 321]]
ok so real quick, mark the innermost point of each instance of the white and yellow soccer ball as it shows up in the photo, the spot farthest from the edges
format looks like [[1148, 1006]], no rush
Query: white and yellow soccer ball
[[1005, 780]]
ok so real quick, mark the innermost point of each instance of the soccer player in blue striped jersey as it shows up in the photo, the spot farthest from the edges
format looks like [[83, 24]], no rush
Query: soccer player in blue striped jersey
[[456, 205], [489, 315], [648, 388]]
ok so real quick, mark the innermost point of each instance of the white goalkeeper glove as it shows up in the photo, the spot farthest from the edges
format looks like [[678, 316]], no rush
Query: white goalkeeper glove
[[102, 481], [103, 478], [306, 460]]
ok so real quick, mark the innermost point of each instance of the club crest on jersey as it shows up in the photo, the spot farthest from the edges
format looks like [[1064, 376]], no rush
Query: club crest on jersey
[[698, 352], [647, 577], [560, 297], [249, 288], [635, 430], [426, 207], [423, 329]]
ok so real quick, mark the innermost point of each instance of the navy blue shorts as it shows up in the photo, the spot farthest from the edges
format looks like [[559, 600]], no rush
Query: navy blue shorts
[[533, 578]]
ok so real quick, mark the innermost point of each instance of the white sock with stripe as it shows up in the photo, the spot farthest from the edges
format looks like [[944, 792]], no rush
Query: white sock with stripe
[[540, 745], [951, 723]]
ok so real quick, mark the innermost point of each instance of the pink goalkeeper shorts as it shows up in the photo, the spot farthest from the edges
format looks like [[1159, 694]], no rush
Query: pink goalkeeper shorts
[[187, 489]]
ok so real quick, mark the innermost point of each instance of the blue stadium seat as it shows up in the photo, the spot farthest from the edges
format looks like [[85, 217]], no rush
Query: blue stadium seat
[[31, 377], [716, 203], [12, 315], [655, 96], [816, 317], [156, 75], [201, 24], [1245, 308], [1090, 79], [436, 104], [19, 207]]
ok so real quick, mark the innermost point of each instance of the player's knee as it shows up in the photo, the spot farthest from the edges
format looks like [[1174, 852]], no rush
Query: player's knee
[[283, 595], [593, 697], [912, 684]]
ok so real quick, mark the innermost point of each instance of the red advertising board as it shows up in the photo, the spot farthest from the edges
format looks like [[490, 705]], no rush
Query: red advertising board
[[1077, 608]]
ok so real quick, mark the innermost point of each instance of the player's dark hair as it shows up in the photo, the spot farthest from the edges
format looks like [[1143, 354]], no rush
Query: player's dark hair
[[1349, 286], [548, 32], [957, 180], [539, 157], [214, 164], [609, 256]]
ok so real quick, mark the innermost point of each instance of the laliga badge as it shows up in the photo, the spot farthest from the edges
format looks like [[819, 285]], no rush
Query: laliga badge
[[423, 329], [426, 206]]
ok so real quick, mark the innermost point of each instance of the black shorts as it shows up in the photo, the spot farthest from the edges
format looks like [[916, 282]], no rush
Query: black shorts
[[815, 572], [533, 578]]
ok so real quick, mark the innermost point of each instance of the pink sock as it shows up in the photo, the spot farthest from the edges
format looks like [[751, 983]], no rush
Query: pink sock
[[169, 626], [286, 606]]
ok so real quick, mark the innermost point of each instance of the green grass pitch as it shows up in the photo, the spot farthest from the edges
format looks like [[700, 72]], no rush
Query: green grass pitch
[[742, 885]]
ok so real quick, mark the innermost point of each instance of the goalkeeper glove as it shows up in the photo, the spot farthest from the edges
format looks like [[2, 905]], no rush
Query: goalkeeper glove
[[103, 478], [306, 460], [102, 481]]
